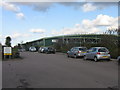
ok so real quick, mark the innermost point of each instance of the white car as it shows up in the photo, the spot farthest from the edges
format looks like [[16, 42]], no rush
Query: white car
[[32, 49], [41, 49]]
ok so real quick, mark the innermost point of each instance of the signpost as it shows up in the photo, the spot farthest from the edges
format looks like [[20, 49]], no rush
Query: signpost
[[7, 51]]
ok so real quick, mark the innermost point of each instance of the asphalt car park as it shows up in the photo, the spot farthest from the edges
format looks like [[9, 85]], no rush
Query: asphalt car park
[[39, 70]]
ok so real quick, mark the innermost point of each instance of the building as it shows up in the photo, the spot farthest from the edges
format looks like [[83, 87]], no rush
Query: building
[[66, 39]]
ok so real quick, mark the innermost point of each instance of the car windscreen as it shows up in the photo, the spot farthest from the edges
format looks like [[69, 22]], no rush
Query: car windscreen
[[50, 48], [82, 49], [32, 47], [102, 50]]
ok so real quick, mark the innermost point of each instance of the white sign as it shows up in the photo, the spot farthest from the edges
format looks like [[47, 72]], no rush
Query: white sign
[[54, 40], [7, 51]]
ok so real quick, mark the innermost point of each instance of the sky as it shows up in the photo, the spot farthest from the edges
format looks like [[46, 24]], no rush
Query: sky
[[28, 21]]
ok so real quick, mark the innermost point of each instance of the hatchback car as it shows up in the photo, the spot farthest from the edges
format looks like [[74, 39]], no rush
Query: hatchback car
[[40, 50], [49, 50], [77, 52], [97, 53], [32, 49], [118, 58]]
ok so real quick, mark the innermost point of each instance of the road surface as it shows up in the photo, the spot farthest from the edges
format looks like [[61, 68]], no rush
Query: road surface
[[38, 70]]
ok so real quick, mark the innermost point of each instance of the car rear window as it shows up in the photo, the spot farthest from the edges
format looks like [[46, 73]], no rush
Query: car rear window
[[102, 50], [32, 47], [82, 49]]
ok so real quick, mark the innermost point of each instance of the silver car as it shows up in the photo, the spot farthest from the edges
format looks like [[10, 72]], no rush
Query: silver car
[[118, 59], [32, 49], [97, 53], [40, 50], [77, 52]]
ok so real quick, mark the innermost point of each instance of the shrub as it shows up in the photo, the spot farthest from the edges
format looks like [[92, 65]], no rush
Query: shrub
[[15, 52]]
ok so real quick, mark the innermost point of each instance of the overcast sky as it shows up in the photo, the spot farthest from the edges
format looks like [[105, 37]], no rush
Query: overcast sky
[[28, 21]]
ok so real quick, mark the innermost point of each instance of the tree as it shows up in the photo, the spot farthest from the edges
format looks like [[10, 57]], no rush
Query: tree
[[19, 45], [8, 41]]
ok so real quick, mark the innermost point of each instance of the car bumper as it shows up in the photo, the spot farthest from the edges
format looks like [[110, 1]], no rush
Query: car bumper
[[51, 51], [80, 54], [33, 50], [103, 57]]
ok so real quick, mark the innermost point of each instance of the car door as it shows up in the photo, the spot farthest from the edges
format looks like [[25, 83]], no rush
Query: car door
[[88, 54], [93, 53], [70, 52], [75, 50]]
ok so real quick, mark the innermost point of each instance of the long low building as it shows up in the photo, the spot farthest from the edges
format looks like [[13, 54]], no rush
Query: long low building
[[67, 39]]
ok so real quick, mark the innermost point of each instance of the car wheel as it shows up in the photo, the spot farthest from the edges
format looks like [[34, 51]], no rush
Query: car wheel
[[108, 59], [68, 55], [95, 59], [85, 57], [46, 52]]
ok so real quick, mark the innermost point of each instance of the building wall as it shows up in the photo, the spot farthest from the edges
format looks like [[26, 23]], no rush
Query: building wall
[[94, 39]]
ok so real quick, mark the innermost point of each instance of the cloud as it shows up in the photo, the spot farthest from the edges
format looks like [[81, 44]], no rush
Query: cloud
[[101, 20], [19, 35], [37, 31], [37, 6], [9, 6], [16, 35], [13, 8], [90, 26], [20, 15], [42, 6], [88, 7]]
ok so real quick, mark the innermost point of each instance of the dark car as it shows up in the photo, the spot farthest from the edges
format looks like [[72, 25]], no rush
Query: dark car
[[49, 50]]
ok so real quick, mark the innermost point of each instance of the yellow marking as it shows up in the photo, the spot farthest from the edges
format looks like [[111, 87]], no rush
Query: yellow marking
[[7, 53], [105, 56]]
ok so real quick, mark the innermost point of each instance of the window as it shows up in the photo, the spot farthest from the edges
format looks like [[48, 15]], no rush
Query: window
[[90, 50], [94, 49], [72, 49], [102, 50], [82, 49]]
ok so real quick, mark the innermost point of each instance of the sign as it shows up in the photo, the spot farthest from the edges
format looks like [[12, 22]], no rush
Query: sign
[[7, 51], [54, 40]]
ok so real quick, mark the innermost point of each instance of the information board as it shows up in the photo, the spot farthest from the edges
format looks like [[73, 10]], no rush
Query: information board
[[7, 51]]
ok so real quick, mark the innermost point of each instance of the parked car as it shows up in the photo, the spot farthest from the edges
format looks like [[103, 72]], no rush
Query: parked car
[[32, 49], [41, 49], [118, 58], [77, 52], [49, 50], [97, 53]]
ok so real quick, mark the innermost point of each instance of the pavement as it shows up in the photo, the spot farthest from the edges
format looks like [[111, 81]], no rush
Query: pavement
[[38, 70]]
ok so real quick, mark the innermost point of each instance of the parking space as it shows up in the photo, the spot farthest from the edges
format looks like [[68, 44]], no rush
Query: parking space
[[39, 70]]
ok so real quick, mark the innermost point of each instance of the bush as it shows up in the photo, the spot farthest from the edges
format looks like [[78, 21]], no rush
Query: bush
[[15, 53], [108, 41]]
